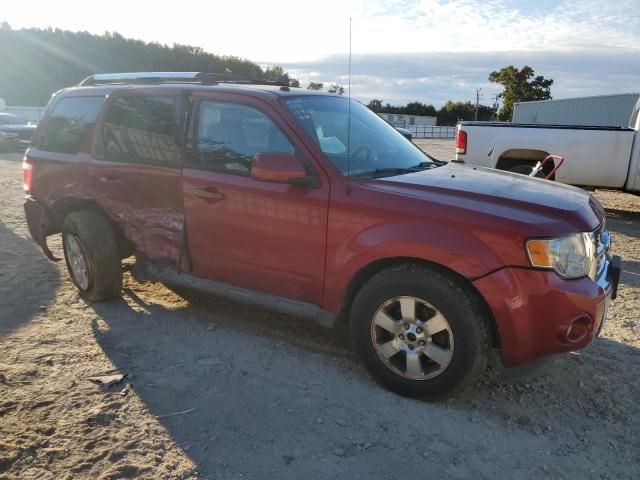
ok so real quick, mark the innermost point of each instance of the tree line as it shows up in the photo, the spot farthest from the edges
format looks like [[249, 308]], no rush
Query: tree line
[[450, 113], [519, 85], [34, 63]]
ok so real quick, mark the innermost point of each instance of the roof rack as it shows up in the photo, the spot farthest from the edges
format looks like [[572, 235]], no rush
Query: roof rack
[[154, 78]]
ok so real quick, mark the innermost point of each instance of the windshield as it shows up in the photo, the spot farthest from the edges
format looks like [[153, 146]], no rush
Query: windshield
[[375, 147], [8, 119]]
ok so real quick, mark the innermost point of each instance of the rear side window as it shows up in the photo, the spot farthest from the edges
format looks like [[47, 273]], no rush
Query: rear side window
[[141, 129], [66, 126]]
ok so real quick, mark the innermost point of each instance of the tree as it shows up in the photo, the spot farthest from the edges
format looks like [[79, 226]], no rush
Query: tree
[[277, 74], [452, 112], [419, 108], [315, 86], [37, 62], [335, 88], [411, 108], [519, 86], [375, 105]]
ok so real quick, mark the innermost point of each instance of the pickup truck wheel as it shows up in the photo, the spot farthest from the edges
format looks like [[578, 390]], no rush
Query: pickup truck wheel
[[420, 332], [92, 255]]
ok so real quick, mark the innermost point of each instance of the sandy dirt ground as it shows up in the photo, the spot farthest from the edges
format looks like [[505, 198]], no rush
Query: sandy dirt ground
[[218, 390]]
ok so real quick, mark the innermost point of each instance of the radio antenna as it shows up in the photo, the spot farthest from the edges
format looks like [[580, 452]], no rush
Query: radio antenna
[[349, 113]]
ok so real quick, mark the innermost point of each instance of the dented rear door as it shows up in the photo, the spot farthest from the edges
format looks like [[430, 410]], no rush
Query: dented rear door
[[136, 172]]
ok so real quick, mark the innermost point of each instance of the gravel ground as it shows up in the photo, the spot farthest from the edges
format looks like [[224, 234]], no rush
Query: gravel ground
[[218, 390]]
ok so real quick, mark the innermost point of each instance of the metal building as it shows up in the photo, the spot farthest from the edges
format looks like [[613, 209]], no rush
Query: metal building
[[603, 110]]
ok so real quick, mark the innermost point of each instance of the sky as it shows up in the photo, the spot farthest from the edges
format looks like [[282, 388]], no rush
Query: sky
[[402, 50]]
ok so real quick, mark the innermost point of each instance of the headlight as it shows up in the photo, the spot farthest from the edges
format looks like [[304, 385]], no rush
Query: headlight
[[572, 256]]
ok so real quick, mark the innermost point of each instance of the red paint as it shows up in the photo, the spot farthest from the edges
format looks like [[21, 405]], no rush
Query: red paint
[[308, 241], [276, 167], [533, 310]]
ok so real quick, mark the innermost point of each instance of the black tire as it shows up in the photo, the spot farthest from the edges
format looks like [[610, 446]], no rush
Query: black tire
[[463, 310], [98, 245], [526, 170]]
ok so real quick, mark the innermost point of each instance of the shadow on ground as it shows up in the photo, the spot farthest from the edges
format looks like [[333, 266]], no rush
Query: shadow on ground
[[28, 281], [230, 382]]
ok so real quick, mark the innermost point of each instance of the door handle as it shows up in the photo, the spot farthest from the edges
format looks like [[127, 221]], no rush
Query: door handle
[[209, 194]]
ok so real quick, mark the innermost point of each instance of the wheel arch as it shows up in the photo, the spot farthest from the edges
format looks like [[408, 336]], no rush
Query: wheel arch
[[523, 156], [64, 207], [366, 272]]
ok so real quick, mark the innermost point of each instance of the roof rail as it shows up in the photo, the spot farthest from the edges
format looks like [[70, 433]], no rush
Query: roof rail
[[154, 78]]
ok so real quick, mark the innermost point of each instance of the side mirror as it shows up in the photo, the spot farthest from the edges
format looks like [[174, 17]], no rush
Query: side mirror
[[277, 167]]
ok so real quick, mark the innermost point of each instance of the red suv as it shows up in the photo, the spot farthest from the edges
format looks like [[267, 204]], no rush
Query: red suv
[[311, 204]]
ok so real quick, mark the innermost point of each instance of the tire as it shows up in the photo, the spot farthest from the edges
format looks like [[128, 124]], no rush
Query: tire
[[90, 245], [526, 170], [436, 295]]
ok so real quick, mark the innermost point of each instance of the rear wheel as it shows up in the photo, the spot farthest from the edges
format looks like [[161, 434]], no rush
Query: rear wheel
[[420, 332], [92, 255]]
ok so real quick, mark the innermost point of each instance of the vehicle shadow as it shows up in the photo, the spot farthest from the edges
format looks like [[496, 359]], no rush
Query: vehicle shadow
[[226, 379], [28, 281]]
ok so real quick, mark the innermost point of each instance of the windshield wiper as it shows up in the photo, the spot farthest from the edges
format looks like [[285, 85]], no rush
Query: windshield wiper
[[430, 164], [384, 172]]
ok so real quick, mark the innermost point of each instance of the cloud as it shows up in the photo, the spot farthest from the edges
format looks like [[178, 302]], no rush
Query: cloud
[[434, 77], [431, 50]]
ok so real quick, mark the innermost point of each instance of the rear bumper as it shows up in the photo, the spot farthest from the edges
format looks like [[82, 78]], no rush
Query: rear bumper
[[40, 225], [538, 313]]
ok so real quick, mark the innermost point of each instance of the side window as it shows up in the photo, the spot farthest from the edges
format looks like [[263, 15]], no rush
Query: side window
[[141, 129], [229, 135], [66, 126]]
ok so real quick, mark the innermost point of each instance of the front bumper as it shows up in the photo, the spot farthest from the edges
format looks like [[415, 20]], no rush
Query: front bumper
[[537, 313]]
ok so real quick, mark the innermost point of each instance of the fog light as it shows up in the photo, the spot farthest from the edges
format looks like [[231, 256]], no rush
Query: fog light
[[576, 330]]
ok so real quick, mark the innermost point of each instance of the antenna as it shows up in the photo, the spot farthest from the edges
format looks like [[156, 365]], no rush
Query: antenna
[[349, 113]]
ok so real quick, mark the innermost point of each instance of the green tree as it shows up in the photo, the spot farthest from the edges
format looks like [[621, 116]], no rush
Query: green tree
[[519, 85], [452, 112], [315, 86], [335, 88], [37, 62], [419, 108], [375, 105], [411, 108]]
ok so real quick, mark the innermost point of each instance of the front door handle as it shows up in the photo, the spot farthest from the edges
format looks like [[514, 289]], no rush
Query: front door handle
[[209, 194]]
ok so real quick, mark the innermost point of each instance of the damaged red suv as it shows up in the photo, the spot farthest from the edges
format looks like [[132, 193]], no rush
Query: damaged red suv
[[312, 205]]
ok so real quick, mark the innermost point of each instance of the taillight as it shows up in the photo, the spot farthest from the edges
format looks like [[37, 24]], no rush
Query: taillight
[[27, 175], [461, 142]]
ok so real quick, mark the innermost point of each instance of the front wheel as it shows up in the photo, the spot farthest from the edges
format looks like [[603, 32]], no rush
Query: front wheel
[[420, 332], [92, 255]]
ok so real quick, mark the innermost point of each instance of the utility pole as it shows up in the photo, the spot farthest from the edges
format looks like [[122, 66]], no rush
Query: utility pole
[[477, 103], [495, 106]]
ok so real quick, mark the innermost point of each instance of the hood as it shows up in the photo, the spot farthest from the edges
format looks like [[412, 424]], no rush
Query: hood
[[549, 208]]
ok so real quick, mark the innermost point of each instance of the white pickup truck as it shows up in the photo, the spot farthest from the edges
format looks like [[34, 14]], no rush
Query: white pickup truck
[[606, 157]]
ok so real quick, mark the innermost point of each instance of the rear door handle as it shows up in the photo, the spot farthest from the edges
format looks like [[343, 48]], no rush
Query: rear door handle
[[209, 194]]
